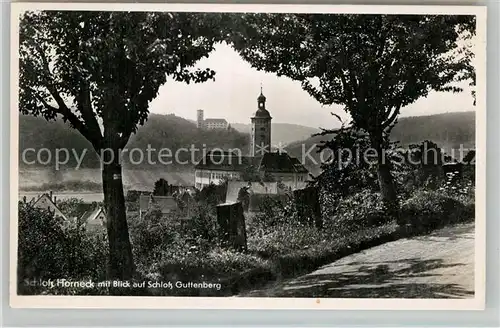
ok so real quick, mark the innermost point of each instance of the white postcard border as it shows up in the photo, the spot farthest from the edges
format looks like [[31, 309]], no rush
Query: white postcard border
[[127, 302]]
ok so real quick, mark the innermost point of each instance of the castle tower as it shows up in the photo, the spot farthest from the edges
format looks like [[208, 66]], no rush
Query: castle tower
[[260, 142], [199, 118]]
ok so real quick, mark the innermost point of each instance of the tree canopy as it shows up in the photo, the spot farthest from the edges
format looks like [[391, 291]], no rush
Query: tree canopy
[[371, 64], [161, 188], [99, 70]]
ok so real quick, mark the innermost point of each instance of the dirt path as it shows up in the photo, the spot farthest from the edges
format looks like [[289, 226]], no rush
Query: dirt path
[[440, 265]]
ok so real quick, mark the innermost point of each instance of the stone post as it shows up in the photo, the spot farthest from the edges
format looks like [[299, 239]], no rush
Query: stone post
[[308, 206], [231, 225]]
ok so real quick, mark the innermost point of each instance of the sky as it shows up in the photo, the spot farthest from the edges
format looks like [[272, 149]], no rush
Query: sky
[[233, 96]]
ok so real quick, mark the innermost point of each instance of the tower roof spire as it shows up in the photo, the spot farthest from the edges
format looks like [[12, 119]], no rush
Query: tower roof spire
[[261, 98], [261, 101]]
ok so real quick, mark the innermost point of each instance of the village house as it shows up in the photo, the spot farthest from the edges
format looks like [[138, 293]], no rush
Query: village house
[[216, 166], [285, 169], [94, 219], [47, 201], [166, 204]]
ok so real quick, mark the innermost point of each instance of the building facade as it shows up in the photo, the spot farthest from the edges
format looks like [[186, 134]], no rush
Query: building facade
[[216, 166], [216, 124]]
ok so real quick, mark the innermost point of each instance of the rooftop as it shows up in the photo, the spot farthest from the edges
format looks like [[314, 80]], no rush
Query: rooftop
[[45, 201], [281, 162], [262, 113], [215, 120], [224, 161], [166, 204], [91, 215], [270, 162]]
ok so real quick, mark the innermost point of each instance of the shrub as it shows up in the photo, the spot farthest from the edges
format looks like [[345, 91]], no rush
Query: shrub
[[184, 262], [150, 235], [179, 263], [213, 194], [276, 229], [201, 227], [132, 199], [418, 166], [284, 238], [174, 248], [325, 248], [462, 190], [273, 211], [51, 249], [344, 174], [361, 210], [427, 210]]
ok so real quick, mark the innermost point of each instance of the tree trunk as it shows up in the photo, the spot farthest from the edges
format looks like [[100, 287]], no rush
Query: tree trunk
[[121, 264], [385, 179], [386, 182]]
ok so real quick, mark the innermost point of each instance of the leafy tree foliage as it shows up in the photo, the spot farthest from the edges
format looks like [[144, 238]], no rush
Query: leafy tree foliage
[[213, 194], [99, 71], [162, 188], [349, 167], [244, 197], [134, 195], [428, 156], [373, 65], [448, 130]]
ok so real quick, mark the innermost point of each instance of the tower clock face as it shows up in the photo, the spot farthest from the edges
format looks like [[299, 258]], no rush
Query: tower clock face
[[261, 105]]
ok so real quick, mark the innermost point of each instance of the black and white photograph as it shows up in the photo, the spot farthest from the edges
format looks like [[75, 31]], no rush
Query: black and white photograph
[[234, 154]]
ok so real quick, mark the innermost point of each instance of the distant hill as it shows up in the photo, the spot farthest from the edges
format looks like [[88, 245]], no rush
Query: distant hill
[[282, 132], [159, 132], [448, 130]]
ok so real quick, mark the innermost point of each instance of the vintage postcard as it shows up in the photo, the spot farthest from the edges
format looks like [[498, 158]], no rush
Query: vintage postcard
[[248, 156]]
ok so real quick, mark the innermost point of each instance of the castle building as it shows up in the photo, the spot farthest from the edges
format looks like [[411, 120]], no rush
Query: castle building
[[210, 123], [216, 166]]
